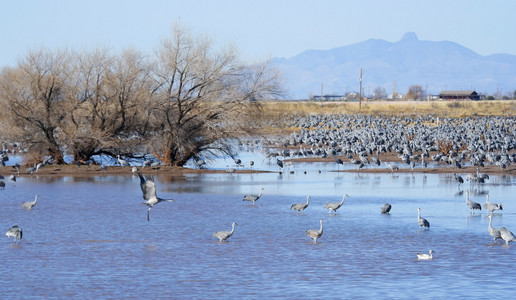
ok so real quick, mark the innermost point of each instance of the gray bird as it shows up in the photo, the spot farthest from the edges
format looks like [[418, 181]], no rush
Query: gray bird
[[494, 232], [224, 235], [30, 204], [386, 208], [491, 207], [122, 162], [422, 221], [336, 205], [149, 192], [301, 206], [253, 198], [315, 234], [15, 232], [507, 235], [472, 204]]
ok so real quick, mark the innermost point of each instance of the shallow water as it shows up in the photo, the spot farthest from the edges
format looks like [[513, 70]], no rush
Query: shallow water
[[89, 237]]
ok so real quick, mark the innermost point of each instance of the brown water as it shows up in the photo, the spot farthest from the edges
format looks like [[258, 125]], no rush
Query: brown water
[[89, 237]]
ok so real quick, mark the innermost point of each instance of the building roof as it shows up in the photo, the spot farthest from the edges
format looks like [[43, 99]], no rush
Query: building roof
[[457, 93]]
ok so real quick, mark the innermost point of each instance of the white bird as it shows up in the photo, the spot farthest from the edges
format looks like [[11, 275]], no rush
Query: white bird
[[122, 162], [315, 234], [134, 169], [30, 204], [149, 192], [224, 235], [507, 235], [490, 206], [253, 198], [15, 232], [472, 204], [334, 206], [495, 233], [424, 256], [386, 208], [301, 206], [422, 221]]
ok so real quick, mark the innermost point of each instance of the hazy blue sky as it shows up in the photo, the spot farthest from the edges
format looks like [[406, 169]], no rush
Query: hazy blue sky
[[259, 29]]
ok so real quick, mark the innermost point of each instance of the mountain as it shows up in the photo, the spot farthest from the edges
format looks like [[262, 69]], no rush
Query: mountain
[[435, 66]]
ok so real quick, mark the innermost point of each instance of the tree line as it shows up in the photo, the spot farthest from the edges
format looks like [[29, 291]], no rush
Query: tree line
[[185, 101]]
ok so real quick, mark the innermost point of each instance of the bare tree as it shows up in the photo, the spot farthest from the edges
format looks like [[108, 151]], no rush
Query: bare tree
[[414, 92], [203, 98], [32, 96], [108, 97], [379, 93]]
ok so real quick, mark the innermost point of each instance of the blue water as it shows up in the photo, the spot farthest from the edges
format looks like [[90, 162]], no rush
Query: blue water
[[89, 238]]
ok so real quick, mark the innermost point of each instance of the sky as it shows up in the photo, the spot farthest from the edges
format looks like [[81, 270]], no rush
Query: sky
[[259, 29]]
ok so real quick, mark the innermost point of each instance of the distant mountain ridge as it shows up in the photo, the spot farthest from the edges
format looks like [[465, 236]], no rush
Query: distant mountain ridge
[[435, 66]]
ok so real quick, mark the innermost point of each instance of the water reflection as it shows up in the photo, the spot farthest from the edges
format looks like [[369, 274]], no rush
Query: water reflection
[[91, 237]]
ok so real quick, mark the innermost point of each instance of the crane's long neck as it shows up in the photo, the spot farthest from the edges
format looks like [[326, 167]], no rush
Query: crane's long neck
[[260, 194], [307, 200], [419, 214], [320, 229], [487, 198], [232, 228], [344, 197], [467, 196], [35, 199]]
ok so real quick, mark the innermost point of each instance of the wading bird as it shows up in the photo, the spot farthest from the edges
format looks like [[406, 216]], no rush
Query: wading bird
[[494, 232], [315, 234], [224, 235], [30, 204], [301, 206], [472, 204], [507, 235], [424, 256], [491, 207], [253, 198], [149, 192], [336, 205], [386, 208], [15, 232], [422, 221]]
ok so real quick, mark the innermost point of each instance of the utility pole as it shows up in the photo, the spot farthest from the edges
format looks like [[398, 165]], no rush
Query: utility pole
[[321, 93], [360, 93]]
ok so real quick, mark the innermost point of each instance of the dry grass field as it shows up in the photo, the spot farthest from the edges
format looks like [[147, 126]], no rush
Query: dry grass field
[[273, 109]]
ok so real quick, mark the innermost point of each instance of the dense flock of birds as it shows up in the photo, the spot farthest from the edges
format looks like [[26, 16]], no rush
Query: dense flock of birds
[[470, 141], [473, 141]]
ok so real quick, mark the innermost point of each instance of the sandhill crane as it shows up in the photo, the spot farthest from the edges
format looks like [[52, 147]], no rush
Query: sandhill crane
[[422, 221], [458, 178], [224, 235], [338, 161], [334, 206], [301, 206], [30, 204], [41, 165], [149, 192], [482, 175], [494, 232], [491, 207], [507, 235], [15, 232], [315, 234], [253, 198], [472, 204], [122, 162], [424, 256], [386, 208], [392, 167]]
